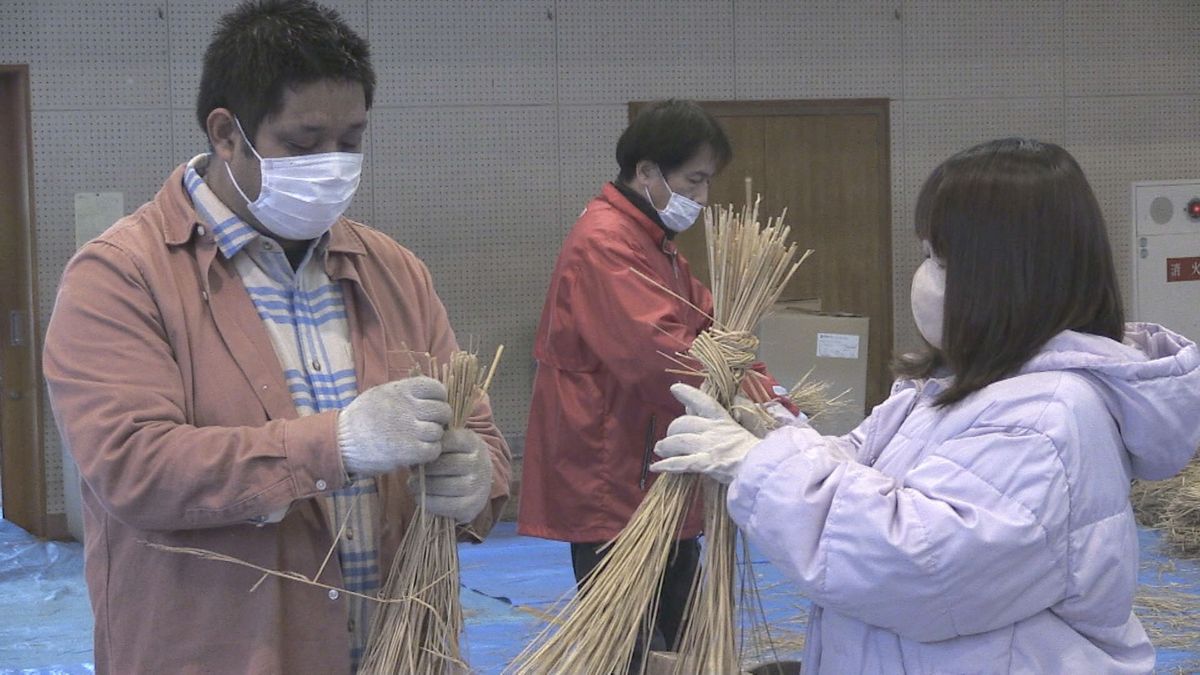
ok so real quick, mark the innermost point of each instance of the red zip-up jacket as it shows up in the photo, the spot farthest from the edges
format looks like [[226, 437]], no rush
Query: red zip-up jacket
[[601, 396]]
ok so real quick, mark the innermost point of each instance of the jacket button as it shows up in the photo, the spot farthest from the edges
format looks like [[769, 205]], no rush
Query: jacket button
[[321, 485], [333, 595], [200, 230]]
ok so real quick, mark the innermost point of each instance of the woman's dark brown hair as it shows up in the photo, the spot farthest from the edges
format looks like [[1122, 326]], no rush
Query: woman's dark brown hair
[[1026, 255]]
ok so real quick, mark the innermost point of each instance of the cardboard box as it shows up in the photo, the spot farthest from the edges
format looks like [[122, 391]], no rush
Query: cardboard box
[[794, 340]]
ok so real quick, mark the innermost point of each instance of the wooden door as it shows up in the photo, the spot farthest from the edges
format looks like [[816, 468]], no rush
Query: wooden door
[[828, 162], [22, 465]]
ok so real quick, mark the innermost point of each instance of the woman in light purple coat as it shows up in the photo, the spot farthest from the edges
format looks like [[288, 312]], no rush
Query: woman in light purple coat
[[978, 521]]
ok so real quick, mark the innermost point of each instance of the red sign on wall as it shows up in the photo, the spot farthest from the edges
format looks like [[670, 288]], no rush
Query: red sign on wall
[[1183, 269]]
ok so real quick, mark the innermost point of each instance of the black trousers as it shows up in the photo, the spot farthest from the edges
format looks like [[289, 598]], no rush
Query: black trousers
[[676, 584]]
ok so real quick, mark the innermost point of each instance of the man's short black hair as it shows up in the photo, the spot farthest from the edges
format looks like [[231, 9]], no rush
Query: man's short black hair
[[670, 133], [263, 47]]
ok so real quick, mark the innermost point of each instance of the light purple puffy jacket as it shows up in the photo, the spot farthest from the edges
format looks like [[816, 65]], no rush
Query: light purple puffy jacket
[[993, 536]]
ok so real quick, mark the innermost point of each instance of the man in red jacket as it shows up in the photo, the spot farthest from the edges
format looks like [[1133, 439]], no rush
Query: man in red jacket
[[601, 398]]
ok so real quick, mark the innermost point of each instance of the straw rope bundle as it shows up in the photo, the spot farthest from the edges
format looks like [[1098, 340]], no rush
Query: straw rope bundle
[[417, 630], [596, 631], [1173, 506], [750, 267]]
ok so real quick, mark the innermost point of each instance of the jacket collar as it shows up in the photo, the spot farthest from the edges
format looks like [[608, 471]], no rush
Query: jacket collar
[[617, 199], [179, 219]]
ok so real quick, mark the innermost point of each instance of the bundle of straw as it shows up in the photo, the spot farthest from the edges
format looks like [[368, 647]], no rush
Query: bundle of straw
[[1173, 506], [596, 631], [416, 631], [750, 266]]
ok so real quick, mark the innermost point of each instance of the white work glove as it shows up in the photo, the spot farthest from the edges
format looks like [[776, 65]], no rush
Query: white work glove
[[769, 417], [395, 424], [459, 482], [706, 440], [752, 416]]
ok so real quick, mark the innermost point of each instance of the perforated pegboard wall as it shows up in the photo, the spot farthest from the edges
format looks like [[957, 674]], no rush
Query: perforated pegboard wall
[[636, 50], [587, 156], [934, 130], [474, 193], [92, 55], [464, 52], [958, 49], [1119, 140], [1113, 47], [496, 121], [187, 139], [774, 61]]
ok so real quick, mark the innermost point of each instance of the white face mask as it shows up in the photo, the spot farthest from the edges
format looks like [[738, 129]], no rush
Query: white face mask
[[302, 197], [929, 300], [680, 212]]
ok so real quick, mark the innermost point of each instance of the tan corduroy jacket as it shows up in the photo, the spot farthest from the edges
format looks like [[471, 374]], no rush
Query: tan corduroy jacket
[[168, 393]]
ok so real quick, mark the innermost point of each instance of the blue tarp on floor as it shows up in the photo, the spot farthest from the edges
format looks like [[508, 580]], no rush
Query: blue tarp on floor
[[45, 618], [509, 584]]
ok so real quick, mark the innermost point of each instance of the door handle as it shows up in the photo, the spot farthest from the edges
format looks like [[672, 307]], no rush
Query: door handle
[[16, 328]]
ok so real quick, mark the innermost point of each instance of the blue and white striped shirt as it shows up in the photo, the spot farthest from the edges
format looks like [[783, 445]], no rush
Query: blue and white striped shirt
[[303, 312]]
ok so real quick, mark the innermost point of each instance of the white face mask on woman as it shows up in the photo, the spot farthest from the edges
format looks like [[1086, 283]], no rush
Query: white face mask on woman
[[302, 197], [928, 299], [680, 212]]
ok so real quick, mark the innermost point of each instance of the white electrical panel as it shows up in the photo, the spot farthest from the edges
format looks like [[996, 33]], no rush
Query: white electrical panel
[[1166, 254]]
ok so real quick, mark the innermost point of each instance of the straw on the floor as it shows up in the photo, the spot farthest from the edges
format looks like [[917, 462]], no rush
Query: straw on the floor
[[1172, 506]]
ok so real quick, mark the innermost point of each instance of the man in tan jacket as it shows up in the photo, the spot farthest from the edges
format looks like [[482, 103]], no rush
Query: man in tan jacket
[[231, 366]]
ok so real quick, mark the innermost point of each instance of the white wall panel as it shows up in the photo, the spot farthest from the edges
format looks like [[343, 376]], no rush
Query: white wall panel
[[1120, 140], [474, 193], [934, 130], [586, 156], [825, 49], [92, 55], [187, 140], [634, 50], [469, 52], [955, 49], [1118, 47]]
